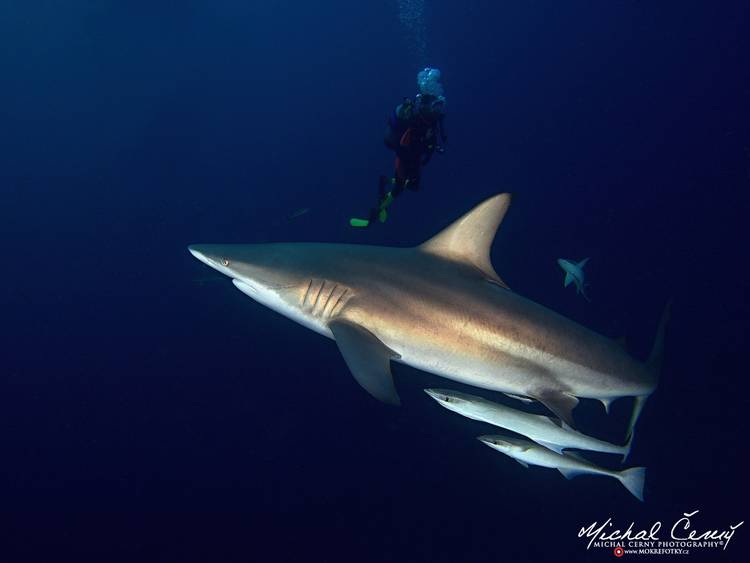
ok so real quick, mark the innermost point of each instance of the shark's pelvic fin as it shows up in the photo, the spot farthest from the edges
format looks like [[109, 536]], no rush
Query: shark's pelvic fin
[[559, 403], [368, 359], [469, 238]]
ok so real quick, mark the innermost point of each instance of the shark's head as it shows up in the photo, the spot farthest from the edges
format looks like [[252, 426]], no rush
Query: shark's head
[[261, 267], [277, 275], [507, 445], [452, 400], [566, 265]]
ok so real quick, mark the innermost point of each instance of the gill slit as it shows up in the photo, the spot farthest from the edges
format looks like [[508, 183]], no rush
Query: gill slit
[[338, 302], [317, 296], [328, 300], [307, 292]]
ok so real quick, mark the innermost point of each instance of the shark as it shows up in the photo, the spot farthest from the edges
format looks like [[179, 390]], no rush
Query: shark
[[570, 465], [439, 307], [574, 274], [544, 430]]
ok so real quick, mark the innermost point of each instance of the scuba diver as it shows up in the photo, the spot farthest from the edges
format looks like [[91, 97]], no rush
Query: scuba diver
[[415, 132]]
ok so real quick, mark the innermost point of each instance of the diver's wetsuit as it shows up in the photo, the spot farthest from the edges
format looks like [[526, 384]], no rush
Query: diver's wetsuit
[[412, 134]]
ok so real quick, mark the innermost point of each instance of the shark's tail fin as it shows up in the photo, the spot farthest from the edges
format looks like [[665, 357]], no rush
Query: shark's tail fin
[[633, 480], [657, 350], [653, 364], [583, 291], [626, 448]]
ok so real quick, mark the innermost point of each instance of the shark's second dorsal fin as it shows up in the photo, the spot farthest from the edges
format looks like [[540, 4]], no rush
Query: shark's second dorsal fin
[[469, 238]]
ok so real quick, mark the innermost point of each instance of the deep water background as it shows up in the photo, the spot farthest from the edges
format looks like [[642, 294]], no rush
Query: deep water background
[[150, 412]]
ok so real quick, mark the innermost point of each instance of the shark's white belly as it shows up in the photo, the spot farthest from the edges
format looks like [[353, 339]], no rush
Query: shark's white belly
[[519, 373]]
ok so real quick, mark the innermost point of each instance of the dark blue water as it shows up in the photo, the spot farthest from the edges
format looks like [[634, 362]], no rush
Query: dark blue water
[[150, 412]]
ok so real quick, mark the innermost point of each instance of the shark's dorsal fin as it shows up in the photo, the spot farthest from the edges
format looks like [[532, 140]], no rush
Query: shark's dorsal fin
[[469, 238]]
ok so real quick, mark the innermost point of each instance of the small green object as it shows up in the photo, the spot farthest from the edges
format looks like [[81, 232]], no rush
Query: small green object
[[359, 223], [383, 207]]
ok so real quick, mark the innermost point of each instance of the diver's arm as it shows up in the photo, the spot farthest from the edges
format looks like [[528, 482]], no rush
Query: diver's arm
[[427, 156]]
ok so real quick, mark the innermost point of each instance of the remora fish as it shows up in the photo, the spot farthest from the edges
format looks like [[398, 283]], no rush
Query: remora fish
[[439, 307], [528, 453], [543, 430], [574, 273]]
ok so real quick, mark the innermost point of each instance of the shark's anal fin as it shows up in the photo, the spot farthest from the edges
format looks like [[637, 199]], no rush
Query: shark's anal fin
[[368, 359], [562, 404], [570, 473]]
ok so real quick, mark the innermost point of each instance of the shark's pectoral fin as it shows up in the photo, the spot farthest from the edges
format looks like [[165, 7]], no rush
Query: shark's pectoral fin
[[526, 465], [559, 403], [568, 279], [368, 359]]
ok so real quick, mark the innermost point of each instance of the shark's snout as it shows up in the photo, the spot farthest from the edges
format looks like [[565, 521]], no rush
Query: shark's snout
[[495, 441], [435, 394], [212, 256], [196, 251]]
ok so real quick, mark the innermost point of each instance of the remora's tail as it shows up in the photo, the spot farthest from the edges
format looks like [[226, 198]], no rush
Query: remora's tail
[[653, 364], [633, 479]]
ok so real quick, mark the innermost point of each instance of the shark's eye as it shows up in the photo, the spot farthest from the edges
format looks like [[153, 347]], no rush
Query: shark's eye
[[448, 399], [224, 262]]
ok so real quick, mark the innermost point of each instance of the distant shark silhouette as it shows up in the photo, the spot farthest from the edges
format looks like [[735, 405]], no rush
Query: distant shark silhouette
[[439, 307], [574, 274]]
